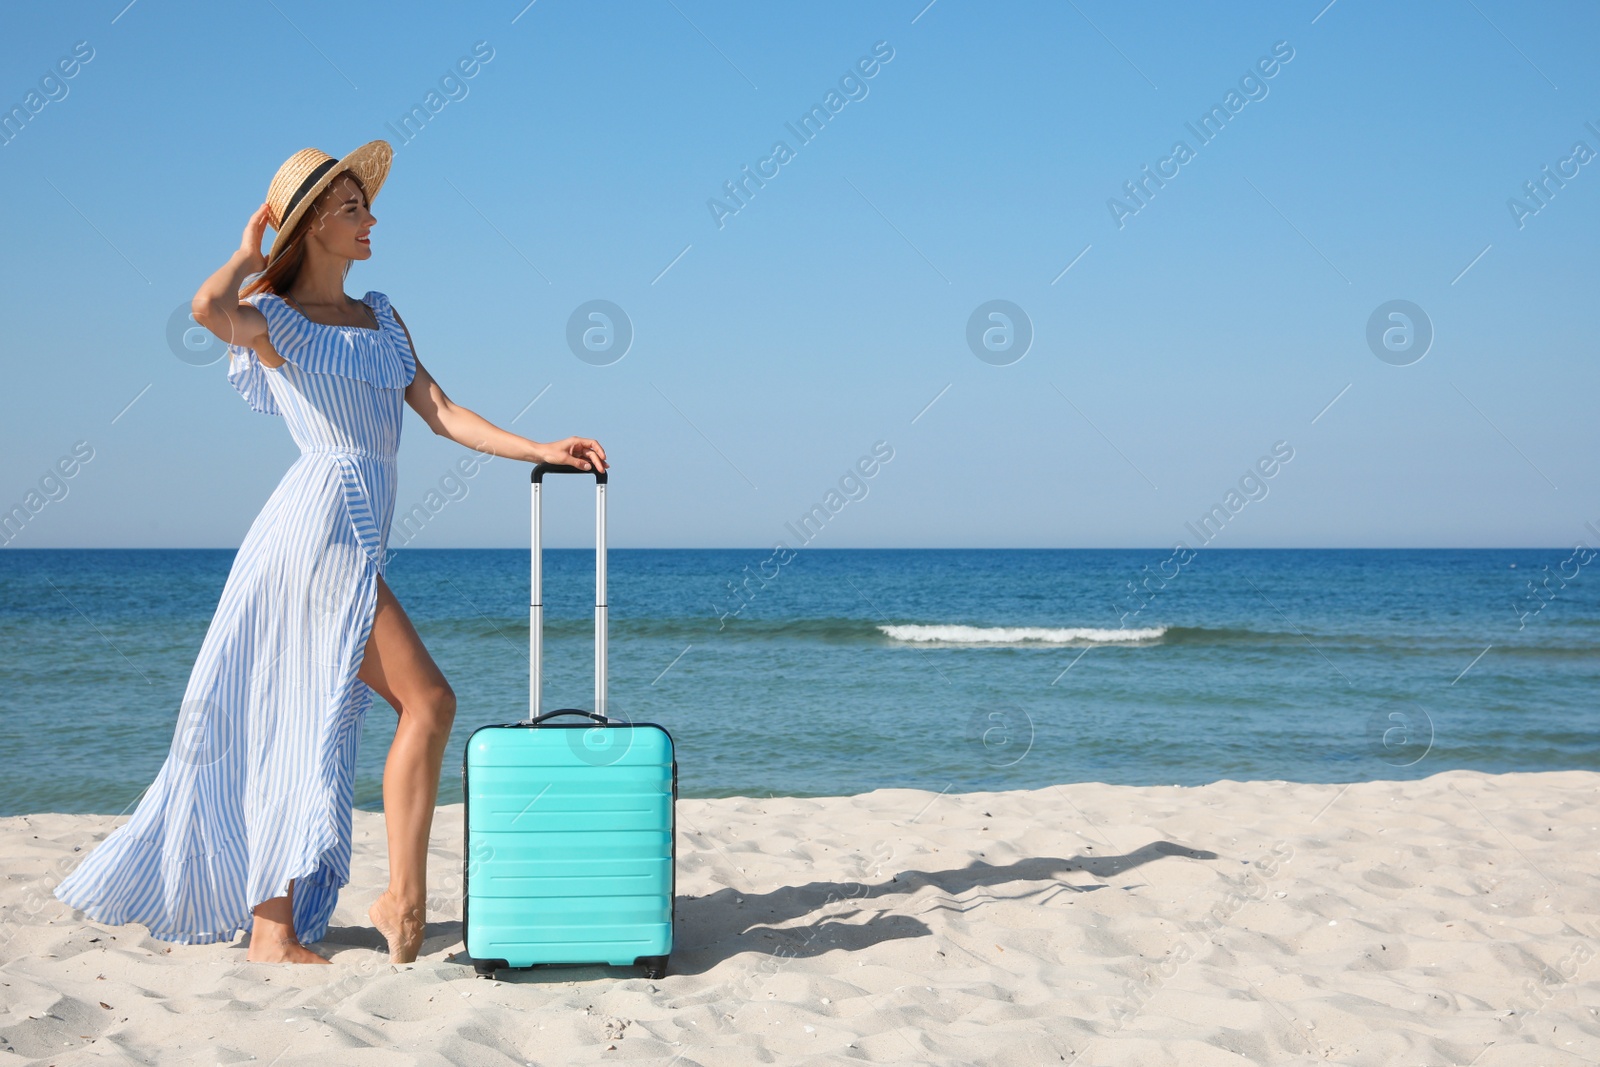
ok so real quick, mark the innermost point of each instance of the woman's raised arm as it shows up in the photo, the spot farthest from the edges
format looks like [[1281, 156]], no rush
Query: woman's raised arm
[[216, 303]]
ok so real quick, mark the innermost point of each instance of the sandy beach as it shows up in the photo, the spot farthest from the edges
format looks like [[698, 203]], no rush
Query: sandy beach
[[1449, 920]]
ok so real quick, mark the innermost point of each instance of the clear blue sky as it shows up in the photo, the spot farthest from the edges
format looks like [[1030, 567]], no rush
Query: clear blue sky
[[827, 313]]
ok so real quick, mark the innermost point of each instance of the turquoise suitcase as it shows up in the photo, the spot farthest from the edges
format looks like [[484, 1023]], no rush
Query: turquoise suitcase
[[571, 844]]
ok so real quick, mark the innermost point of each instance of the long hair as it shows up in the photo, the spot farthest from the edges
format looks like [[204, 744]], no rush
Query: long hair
[[281, 272]]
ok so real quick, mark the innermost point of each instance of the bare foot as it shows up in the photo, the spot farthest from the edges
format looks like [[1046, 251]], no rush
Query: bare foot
[[272, 936], [401, 926], [270, 949]]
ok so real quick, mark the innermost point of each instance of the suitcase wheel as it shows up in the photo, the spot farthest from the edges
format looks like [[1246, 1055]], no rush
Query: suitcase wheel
[[654, 966], [486, 968]]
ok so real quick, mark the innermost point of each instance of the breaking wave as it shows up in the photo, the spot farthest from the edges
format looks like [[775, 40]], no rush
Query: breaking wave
[[1018, 635]]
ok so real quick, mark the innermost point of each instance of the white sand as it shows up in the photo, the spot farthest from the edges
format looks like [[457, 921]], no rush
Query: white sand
[[1446, 921]]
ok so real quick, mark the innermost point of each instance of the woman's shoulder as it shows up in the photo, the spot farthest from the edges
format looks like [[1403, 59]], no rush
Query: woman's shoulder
[[396, 333]]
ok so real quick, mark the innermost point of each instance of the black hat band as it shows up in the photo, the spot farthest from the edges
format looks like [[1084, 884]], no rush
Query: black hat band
[[306, 186]]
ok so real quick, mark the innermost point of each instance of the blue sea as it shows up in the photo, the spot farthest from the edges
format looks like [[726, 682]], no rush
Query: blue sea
[[840, 671]]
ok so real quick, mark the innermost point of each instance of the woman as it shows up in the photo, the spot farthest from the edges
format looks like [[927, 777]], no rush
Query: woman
[[248, 824]]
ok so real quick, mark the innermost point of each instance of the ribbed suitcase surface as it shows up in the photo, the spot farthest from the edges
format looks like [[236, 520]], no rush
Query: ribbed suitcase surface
[[571, 857], [570, 826]]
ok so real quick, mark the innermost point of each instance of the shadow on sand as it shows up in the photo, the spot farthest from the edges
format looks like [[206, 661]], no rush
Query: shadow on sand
[[720, 925]]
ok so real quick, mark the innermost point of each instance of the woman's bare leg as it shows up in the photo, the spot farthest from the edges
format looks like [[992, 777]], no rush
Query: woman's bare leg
[[272, 936], [399, 669]]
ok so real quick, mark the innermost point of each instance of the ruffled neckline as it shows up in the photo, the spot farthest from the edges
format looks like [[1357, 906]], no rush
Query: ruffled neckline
[[339, 325], [382, 357]]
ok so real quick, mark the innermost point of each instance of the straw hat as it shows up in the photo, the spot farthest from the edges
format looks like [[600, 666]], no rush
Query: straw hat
[[308, 172]]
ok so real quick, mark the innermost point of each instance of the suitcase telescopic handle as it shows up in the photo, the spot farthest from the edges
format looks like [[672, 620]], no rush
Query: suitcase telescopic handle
[[536, 599]]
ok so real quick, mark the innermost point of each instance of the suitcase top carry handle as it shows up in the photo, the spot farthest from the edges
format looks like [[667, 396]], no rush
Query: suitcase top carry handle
[[568, 711], [536, 598]]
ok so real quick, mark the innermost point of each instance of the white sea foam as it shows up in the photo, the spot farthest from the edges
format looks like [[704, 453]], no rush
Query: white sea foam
[[1011, 635]]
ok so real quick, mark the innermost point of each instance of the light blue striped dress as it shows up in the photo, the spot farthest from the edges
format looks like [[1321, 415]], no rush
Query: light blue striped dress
[[257, 788]]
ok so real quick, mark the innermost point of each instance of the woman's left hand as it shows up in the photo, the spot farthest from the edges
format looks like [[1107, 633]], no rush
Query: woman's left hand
[[584, 453]]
